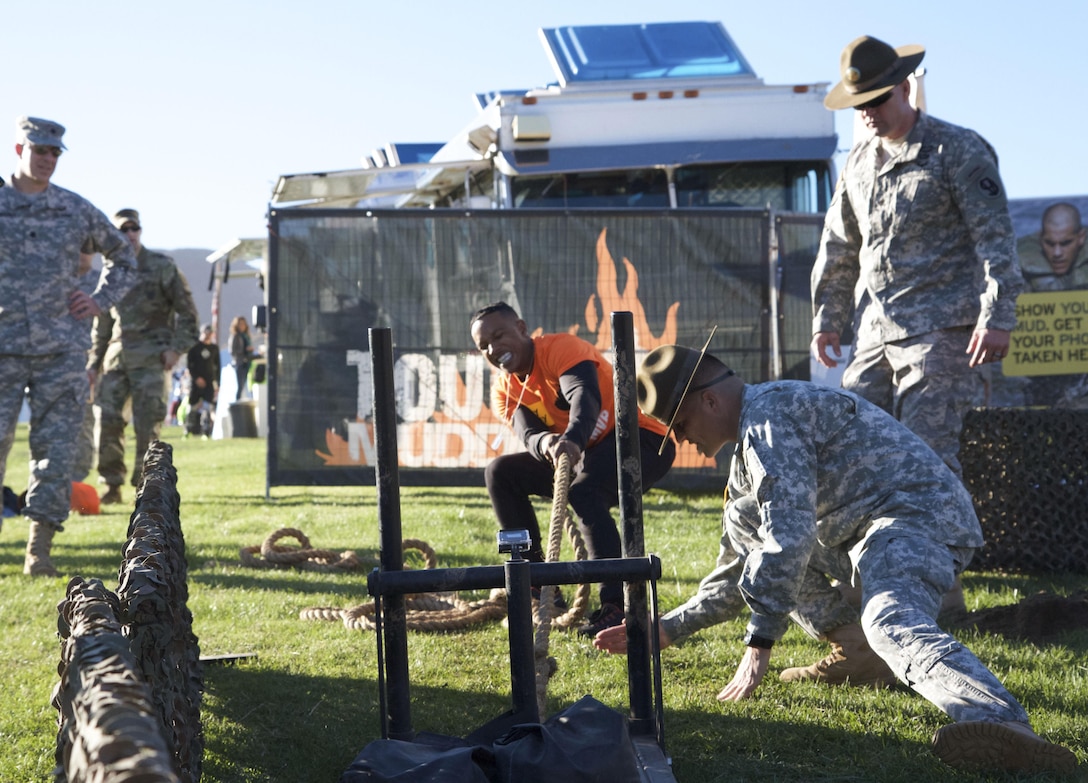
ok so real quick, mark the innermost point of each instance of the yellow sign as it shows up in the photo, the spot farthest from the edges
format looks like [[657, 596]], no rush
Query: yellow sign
[[1051, 335]]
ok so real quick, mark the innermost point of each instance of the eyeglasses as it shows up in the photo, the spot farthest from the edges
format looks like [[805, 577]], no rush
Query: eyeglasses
[[38, 149], [875, 102], [129, 229]]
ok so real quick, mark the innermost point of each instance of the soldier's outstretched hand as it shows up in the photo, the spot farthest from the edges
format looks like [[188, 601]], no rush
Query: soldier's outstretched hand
[[749, 675], [614, 640]]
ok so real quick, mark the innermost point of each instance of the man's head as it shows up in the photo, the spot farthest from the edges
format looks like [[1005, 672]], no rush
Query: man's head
[[206, 333], [127, 221], [38, 143], [1062, 236], [503, 338], [691, 392], [874, 81]]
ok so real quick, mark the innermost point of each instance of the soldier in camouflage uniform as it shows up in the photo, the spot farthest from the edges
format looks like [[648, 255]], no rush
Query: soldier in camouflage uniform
[[822, 610], [45, 322], [919, 232], [136, 345], [827, 468]]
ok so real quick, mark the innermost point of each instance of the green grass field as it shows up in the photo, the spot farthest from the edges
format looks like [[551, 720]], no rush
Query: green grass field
[[304, 707]]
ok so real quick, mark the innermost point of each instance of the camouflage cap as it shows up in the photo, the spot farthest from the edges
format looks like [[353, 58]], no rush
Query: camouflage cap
[[39, 131], [123, 216], [206, 329]]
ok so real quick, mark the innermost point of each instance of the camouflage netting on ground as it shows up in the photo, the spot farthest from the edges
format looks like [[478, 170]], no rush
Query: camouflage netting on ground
[[150, 617], [1027, 471], [109, 731]]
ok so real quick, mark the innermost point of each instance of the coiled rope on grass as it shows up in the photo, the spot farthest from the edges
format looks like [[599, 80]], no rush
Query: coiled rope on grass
[[437, 611], [272, 554], [425, 611]]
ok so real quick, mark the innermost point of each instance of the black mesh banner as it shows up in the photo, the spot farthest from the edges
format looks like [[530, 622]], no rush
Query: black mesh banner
[[334, 273]]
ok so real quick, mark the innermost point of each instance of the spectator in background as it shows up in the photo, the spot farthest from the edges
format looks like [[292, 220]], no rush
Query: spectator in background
[[179, 389], [203, 363], [136, 344], [241, 353], [45, 323], [1055, 259]]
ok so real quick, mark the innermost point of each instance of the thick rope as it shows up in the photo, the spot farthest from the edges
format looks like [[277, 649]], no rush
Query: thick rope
[[438, 611], [423, 611], [561, 520], [271, 554]]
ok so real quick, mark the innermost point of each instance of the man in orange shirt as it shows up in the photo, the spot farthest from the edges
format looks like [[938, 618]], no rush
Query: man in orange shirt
[[556, 392]]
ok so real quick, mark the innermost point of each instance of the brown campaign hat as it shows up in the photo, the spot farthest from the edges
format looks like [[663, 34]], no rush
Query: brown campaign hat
[[664, 379], [871, 68]]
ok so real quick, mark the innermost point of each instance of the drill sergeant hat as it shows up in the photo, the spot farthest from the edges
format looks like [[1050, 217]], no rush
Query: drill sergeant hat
[[871, 68]]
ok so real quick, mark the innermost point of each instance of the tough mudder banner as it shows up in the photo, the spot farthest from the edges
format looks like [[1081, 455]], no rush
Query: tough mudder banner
[[334, 273]]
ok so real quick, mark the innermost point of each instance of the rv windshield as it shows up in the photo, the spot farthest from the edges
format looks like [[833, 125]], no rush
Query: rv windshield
[[787, 186], [791, 186], [586, 190]]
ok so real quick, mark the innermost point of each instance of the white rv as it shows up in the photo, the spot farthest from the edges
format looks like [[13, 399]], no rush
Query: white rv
[[664, 115]]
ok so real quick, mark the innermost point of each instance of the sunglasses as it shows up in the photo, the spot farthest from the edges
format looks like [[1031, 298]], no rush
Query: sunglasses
[[875, 102], [129, 229], [38, 149]]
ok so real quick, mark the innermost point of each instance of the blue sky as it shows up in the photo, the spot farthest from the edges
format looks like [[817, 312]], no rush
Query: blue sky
[[189, 112]]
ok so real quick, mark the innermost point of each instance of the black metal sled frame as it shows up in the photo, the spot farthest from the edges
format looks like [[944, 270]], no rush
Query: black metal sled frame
[[389, 583]]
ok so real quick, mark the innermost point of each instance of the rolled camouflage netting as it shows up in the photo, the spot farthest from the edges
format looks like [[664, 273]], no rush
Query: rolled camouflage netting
[[109, 730], [155, 625], [1027, 470]]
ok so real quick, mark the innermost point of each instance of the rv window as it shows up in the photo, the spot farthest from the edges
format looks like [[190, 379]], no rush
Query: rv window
[[637, 188], [788, 186]]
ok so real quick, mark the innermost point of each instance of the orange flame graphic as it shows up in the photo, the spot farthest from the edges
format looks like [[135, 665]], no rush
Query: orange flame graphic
[[609, 298]]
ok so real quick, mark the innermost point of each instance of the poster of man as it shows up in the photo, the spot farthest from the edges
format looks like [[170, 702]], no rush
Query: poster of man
[[1054, 257], [1048, 358]]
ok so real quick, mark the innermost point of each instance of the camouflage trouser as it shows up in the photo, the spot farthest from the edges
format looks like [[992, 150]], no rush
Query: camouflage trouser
[[83, 460], [923, 381], [58, 389], [820, 607], [903, 579], [147, 385]]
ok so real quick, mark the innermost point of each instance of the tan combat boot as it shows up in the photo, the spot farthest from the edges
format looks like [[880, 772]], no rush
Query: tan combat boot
[[37, 562], [1010, 746], [111, 495], [851, 662]]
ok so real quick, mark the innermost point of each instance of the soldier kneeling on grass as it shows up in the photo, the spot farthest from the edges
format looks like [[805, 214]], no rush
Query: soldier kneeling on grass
[[825, 468]]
